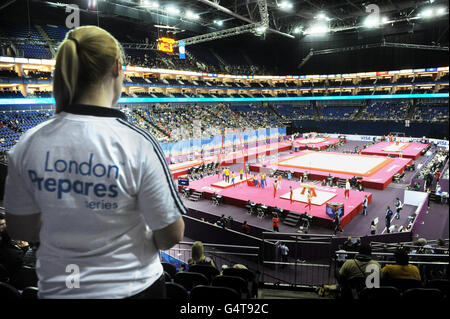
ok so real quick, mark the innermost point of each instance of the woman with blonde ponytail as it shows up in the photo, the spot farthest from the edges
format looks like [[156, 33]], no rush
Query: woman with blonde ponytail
[[94, 190]]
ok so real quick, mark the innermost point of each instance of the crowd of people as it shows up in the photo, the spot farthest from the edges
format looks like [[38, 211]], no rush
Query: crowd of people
[[431, 113], [386, 111], [156, 59], [170, 123], [430, 172]]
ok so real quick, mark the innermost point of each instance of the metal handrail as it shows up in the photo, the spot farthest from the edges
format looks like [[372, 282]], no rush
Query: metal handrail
[[297, 234], [220, 245], [393, 254], [296, 264]]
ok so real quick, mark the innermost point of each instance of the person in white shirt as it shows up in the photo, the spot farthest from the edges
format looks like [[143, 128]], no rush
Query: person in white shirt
[[347, 189], [341, 256], [94, 190], [398, 208], [438, 189], [284, 254], [373, 228]]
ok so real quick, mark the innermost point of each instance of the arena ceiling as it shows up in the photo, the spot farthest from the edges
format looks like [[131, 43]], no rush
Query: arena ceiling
[[283, 18]]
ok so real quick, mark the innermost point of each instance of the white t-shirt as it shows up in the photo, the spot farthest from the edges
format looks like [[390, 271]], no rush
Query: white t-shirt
[[101, 185]]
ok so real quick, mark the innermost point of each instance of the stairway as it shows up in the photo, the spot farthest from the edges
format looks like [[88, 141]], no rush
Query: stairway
[[274, 111], [196, 196], [316, 112], [246, 57], [411, 111], [291, 219], [218, 57], [47, 39], [144, 116], [360, 112]]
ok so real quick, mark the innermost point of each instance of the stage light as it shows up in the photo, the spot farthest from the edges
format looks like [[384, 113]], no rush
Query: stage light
[[285, 5], [440, 11], [218, 22], [191, 15], [384, 20], [318, 29], [172, 10], [298, 30], [372, 22], [322, 16], [427, 13], [261, 29], [150, 4], [92, 4]]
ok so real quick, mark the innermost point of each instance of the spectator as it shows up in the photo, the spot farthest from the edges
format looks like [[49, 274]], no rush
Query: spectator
[[198, 257], [423, 247], [29, 258], [348, 244], [275, 222], [388, 218], [239, 266], [284, 250], [438, 189], [337, 223], [441, 243], [365, 203], [115, 244], [341, 255], [398, 208], [11, 255], [373, 228], [402, 269], [245, 228], [222, 222], [357, 267]]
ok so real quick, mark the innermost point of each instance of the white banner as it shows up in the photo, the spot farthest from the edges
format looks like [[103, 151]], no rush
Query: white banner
[[414, 198]]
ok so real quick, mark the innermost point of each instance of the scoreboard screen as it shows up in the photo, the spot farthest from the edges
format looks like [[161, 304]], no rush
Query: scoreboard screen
[[166, 44]]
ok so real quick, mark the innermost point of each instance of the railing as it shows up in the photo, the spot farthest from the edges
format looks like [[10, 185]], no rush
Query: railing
[[228, 255], [308, 262]]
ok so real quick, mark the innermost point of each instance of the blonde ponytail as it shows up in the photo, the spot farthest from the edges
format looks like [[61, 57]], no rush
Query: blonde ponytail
[[83, 59], [65, 75]]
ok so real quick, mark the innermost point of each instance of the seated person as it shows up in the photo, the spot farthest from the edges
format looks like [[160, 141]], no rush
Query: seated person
[[245, 228], [402, 269], [356, 267], [348, 244], [11, 251], [198, 257], [324, 182], [222, 222]]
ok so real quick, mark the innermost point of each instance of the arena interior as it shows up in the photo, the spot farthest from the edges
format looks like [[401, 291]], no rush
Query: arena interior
[[250, 100]]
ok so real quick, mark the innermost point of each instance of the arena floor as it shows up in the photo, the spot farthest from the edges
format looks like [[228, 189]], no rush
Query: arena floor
[[433, 225], [376, 171], [406, 150]]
